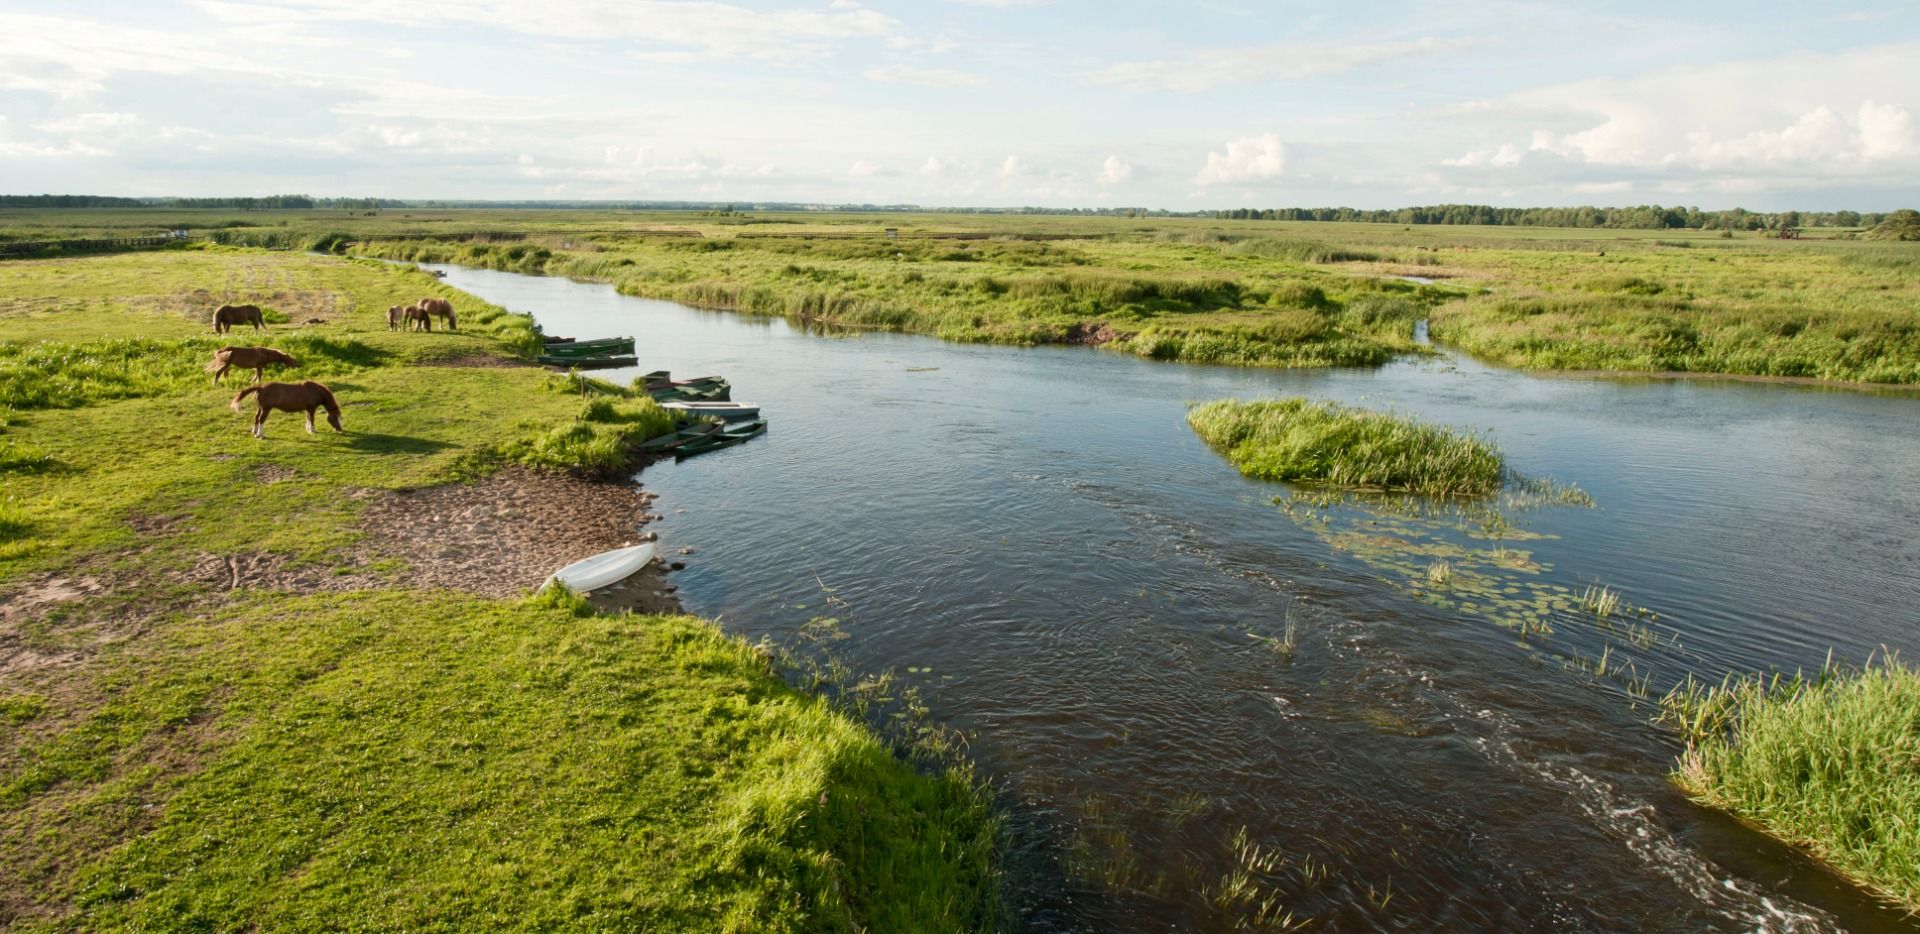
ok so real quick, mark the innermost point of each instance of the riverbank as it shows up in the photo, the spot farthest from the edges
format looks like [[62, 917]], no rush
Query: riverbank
[[254, 683], [1829, 762], [1266, 294]]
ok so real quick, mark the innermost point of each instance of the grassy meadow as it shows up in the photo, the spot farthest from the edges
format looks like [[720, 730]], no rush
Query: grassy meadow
[[338, 750], [1264, 293]]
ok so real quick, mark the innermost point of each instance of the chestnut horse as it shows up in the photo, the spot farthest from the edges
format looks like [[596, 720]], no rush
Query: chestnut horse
[[226, 316], [411, 315], [439, 308], [290, 397], [256, 359]]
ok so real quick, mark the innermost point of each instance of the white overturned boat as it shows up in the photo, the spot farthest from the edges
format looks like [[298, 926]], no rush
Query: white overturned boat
[[715, 409], [602, 569]]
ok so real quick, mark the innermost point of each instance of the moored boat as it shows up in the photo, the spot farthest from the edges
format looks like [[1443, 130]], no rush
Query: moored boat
[[727, 410], [600, 347], [681, 438], [587, 363], [725, 438], [606, 568]]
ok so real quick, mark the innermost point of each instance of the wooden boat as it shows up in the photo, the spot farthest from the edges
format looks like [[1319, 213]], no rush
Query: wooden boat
[[587, 363], [550, 339], [686, 435], [706, 392], [606, 568], [726, 438], [611, 345], [727, 410]]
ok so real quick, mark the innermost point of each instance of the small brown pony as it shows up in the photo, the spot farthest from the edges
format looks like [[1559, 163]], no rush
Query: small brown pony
[[439, 308], [256, 359], [290, 397], [226, 316]]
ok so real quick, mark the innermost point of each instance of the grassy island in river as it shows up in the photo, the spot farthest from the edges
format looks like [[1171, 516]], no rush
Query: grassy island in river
[[1325, 442], [228, 700]]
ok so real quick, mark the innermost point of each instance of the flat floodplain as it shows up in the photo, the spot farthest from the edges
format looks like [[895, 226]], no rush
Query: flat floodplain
[[1183, 672], [225, 703]]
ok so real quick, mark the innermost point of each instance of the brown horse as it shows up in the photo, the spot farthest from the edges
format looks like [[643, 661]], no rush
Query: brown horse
[[411, 315], [226, 316], [439, 308], [256, 359], [396, 315], [290, 397]]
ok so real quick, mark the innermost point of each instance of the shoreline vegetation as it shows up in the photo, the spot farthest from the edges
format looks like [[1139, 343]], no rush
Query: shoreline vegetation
[[1302, 441], [1830, 763], [229, 698], [1835, 305]]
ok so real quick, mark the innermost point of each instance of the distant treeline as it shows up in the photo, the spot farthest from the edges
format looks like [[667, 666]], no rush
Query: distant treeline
[[1639, 217], [266, 203]]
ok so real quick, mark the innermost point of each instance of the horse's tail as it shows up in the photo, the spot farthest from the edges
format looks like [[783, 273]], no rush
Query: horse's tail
[[250, 390], [220, 358]]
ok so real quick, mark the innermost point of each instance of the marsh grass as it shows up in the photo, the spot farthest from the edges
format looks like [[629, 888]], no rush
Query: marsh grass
[[1300, 440], [1830, 762]]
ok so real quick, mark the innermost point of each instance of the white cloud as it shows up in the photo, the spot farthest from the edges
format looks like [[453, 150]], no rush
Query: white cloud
[[1013, 167], [1253, 159], [1506, 155], [864, 169], [719, 30], [1115, 170], [1210, 68], [1811, 119], [935, 166], [925, 77]]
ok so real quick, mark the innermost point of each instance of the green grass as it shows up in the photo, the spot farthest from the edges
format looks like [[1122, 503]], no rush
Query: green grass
[[389, 758], [1301, 440], [1829, 763], [1262, 293]]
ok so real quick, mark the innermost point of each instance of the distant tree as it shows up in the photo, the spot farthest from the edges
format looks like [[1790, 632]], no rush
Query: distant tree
[[1903, 224]]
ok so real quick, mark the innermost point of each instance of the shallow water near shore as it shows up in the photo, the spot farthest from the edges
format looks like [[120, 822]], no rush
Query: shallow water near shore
[[1200, 703]]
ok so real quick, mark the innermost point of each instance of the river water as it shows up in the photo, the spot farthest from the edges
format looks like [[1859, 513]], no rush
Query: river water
[[1175, 680]]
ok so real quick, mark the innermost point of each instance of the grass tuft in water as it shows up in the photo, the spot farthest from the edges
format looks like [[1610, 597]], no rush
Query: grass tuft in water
[[1324, 442], [1831, 763], [1600, 600]]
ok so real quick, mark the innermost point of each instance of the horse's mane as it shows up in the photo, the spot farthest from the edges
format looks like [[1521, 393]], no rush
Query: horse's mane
[[326, 397]]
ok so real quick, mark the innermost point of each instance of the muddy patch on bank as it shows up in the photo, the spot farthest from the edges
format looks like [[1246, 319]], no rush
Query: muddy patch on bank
[[501, 536], [1093, 334]]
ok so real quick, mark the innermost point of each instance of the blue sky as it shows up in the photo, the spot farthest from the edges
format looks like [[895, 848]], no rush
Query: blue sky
[[1219, 103]]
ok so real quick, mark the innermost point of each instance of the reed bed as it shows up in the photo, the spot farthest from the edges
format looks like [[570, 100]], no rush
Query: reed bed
[[1831, 763], [1299, 440]]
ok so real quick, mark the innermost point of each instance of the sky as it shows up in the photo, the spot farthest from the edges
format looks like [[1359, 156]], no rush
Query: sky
[[1059, 103]]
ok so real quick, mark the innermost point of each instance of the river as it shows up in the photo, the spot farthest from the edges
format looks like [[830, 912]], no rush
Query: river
[[1172, 678]]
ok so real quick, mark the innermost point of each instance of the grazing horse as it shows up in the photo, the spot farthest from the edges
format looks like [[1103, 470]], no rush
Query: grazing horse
[[226, 316], [440, 308], [290, 397], [256, 359], [411, 315], [396, 315]]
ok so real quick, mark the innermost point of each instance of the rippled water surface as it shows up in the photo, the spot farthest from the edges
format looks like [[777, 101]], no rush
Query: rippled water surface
[[1036, 540]]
